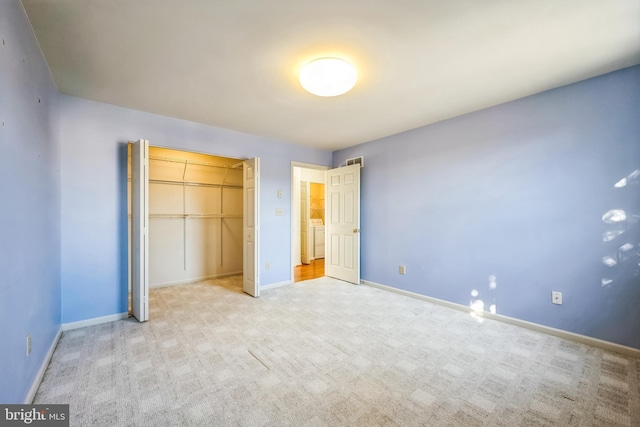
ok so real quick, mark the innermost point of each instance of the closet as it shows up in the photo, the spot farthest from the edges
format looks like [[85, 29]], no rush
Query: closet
[[195, 217]]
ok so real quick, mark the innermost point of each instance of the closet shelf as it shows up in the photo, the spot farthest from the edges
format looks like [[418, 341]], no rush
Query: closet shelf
[[194, 163], [193, 184], [195, 216]]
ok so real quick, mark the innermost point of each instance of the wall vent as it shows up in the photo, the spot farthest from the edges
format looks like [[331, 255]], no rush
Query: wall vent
[[356, 161]]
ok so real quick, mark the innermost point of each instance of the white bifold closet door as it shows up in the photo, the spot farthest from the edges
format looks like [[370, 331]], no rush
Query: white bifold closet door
[[140, 230], [251, 226]]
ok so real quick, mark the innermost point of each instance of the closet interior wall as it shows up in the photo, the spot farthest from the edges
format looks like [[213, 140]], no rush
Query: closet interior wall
[[195, 217]]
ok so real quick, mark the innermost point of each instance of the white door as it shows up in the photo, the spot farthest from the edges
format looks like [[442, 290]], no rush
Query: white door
[[250, 222], [140, 229], [342, 244], [304, 223]]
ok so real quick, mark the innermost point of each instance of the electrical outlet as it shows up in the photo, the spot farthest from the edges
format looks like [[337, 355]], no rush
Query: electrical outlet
[[267, 266], [556, 297], [28, 344], [403, 269], [278, 212]]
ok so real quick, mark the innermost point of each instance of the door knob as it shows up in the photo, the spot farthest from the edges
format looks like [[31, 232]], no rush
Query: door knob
[[356, 230]]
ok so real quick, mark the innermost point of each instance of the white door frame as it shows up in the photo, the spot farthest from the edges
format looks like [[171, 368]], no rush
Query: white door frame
[[295, 209]]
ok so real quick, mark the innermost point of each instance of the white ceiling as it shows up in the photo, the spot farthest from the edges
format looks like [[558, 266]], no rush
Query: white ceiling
[[234, 63]]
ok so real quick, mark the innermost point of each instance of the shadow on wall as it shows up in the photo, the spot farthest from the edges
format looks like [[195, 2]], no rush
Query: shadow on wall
[[621, 233], [620, 237]]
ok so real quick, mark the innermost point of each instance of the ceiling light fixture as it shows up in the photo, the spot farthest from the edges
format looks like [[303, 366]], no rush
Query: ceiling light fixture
[[328, 77]]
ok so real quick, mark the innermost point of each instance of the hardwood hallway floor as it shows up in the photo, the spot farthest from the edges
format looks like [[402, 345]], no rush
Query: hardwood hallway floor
[[309, 271]]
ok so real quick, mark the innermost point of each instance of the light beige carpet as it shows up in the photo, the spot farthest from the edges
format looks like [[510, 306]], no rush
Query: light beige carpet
[[328, 353]]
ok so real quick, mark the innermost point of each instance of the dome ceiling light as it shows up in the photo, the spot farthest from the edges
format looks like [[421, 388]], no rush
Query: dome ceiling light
[[328, 77]]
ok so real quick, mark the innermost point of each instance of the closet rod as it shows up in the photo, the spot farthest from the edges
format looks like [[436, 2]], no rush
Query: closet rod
[[196, 216], [192, 184], [190, 162]]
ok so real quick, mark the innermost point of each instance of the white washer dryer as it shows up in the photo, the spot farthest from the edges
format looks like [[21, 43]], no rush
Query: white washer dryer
[[316, 234]]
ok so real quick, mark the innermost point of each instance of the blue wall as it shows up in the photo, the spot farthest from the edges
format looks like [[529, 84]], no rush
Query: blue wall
[[94, 191], [518, 192], [30, 214]]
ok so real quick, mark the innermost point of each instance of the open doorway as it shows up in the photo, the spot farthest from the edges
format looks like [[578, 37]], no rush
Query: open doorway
[[308, 221]]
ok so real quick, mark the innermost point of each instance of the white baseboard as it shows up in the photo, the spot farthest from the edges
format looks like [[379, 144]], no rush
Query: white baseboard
[[193, 280], [595, 342], [94, 321], [276, 285], [66, 327], [43, 368]]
